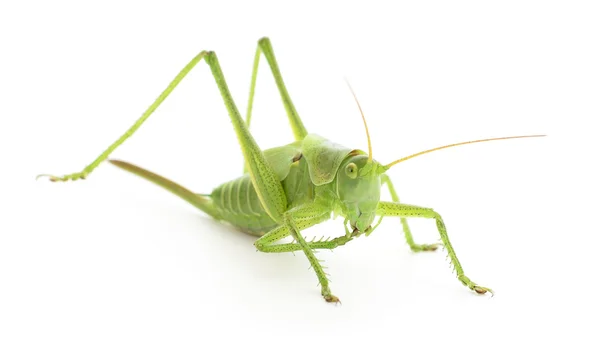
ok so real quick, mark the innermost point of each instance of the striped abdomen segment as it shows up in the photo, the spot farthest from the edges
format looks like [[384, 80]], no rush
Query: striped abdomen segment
[[238, 204]]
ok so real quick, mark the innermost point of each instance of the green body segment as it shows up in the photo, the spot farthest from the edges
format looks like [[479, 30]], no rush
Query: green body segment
[[237, 202]]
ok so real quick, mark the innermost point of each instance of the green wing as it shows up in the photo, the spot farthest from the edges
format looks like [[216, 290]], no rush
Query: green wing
[[324, 158], [281, 158]]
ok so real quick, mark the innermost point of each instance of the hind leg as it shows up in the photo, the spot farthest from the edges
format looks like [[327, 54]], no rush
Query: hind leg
[[88, 169], [264, 179], [264, 47]]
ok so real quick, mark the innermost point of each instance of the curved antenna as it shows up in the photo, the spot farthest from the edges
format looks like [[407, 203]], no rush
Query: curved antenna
[[454, 145], [364, 121]]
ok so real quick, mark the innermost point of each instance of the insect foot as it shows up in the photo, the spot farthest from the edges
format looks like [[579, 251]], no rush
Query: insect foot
[[425, 247], [72, 177], [473, 286], [331, 298]]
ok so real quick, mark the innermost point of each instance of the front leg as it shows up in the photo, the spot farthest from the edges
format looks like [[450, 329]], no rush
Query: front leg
[[408, 211], [294, 221]]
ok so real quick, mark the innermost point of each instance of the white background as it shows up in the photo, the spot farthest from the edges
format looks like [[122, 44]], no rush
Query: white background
[[116, 261]]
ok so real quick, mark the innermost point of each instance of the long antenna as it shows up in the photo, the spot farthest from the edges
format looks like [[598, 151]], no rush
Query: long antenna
[[454, 145], [364, 122]]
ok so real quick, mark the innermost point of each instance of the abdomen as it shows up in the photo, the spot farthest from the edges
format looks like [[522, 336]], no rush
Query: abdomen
[[238, 203]]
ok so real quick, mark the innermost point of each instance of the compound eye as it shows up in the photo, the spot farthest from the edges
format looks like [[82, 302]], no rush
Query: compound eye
[[351, 170]]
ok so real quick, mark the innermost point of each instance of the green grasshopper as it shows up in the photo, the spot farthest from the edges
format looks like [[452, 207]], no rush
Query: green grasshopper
[[287, 189]]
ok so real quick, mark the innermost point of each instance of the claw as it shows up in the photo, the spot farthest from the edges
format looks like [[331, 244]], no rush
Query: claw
[[50, 177], [331, 298], [72, 177], [482, 290], [476, 288]]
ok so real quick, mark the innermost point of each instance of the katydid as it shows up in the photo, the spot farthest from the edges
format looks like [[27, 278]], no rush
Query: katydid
[[287, 189]]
